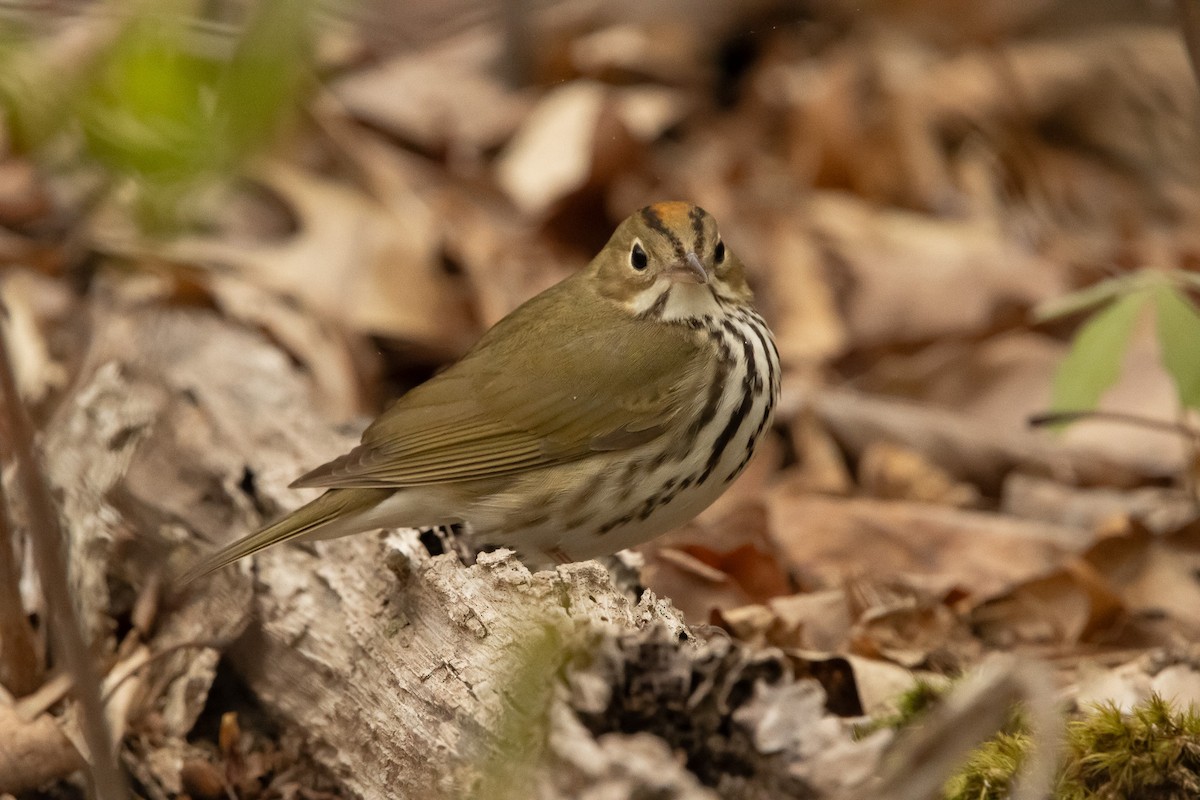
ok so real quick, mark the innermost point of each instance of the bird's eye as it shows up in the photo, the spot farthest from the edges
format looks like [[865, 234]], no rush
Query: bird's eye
[[719, 252], [638, 258]]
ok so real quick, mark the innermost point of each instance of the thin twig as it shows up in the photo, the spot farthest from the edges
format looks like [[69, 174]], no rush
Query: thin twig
[[20, 667], [1065, 417], [208, 644], [518, 42], [1192, 445], [66, 634], [1188, 12]]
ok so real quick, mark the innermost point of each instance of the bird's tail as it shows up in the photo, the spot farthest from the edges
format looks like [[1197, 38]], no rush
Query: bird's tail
[[333, 506]]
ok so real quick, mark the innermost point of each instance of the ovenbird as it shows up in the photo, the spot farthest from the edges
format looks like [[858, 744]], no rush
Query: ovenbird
[[606, 410]]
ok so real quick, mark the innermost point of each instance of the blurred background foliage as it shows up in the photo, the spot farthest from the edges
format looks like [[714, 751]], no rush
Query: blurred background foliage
[[157, 95], [954, 216]]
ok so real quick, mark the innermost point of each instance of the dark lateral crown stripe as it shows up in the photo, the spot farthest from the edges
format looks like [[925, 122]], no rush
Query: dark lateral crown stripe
[[655, 221], [697, 217]]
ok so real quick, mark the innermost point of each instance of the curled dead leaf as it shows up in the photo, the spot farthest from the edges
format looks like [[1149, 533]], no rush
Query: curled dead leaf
[[581, 133], [981, 552]]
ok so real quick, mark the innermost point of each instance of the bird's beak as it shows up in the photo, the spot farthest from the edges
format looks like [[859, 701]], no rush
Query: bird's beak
[[689, 269]]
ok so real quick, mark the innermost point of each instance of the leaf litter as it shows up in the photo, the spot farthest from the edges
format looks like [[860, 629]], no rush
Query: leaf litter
[[908, 187]]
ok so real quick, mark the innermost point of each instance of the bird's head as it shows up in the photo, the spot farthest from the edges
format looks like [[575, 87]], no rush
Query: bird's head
[[668, 261]]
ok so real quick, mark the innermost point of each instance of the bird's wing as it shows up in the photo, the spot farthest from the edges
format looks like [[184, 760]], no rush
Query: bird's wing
[[529, 397]]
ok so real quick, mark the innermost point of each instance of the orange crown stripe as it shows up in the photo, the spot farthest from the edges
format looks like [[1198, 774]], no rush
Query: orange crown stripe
[[673, 213]]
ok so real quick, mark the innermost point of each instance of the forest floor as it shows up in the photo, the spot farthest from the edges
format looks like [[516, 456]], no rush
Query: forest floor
[[956, 217]]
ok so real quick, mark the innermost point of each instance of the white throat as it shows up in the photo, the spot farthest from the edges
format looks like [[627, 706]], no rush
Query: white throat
[[683, 301]]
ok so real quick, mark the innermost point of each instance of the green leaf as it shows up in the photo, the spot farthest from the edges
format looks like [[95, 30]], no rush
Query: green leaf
[[269, 73], [160, 105], [145, 111], [1179, 338], [1094, 362]]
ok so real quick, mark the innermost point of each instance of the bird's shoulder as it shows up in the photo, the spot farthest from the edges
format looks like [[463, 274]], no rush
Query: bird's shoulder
[[556, 379]]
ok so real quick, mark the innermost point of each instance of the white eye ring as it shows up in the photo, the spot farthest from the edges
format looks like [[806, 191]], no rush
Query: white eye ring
[[638, 258]]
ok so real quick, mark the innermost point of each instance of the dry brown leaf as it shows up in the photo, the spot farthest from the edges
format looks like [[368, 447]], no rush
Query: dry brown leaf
[[981, 379], [1129, 575], [858, 685], [1123, 686], [982, 553], [918, 632], [446, 96], [757, 572], [901, 268], [851, 123], [373, 266], [880, 683], [719, 565], [35, 752], [891, 472], [811, 621], [553, 153], [1102, 86], [949, 22], [583, 132], [1170, 675], [23, 194], [1152, 574], [808, 326], [1063, 608], [502, 259], [678, 34], [695, 587], [202, 779], [1007, 379], [817, 621], [875, 115], [750, 624], [978, 450], [505, 261], [664, 51], [821, 464]]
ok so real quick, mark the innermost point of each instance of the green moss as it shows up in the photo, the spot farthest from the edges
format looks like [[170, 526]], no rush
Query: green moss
[[989, 771], [1150, 753], [910, 705]]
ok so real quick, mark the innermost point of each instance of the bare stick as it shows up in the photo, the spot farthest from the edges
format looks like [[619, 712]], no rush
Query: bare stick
[[46, 537], [20, 670], [1066, 417], [518, 50], [1188, 12]]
